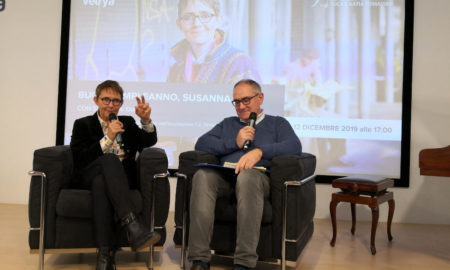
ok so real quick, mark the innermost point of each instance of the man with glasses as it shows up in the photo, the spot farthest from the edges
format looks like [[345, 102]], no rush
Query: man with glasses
[[205, 55], [271, 136], [108, 168]]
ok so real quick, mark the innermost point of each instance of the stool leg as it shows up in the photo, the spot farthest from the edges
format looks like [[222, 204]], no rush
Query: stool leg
[[391, 214], [375, 215], [352, 207], [333, 205]]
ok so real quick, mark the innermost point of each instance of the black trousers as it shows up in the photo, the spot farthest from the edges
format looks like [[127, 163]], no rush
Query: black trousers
[[110, 182]]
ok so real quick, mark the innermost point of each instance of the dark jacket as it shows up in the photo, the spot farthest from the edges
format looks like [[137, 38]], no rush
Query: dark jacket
[[87, 132]]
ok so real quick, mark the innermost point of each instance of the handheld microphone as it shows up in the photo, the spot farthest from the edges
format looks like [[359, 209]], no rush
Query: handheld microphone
[[113, 117], [251, 122]]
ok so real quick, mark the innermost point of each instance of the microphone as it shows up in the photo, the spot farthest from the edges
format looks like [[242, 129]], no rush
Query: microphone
[[113, 117], [251, 122]]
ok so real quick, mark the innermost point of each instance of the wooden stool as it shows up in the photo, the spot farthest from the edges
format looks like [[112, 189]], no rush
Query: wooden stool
[[363, 189]]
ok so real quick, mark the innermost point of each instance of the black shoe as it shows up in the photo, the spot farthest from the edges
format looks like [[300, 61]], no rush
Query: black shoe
[[199, 265], [240, 267], [138, 237], [113, 259], [105, 259]]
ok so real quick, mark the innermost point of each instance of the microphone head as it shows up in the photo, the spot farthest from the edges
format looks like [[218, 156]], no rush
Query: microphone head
[[252, 116], [112, 116]]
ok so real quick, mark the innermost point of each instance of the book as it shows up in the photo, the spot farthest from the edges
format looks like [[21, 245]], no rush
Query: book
[[229, 166], [233, 165]]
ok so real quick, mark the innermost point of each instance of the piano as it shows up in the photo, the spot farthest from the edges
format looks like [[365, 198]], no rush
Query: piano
[[435, 161]]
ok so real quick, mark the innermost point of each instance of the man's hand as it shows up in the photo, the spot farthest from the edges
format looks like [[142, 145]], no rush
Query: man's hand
[[245, 134], [113, 128], [248, 160], [143, 110]]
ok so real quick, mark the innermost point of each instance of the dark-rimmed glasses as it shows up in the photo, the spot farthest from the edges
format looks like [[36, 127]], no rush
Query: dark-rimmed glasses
[[189, 18], [107, 100], [244, 100]]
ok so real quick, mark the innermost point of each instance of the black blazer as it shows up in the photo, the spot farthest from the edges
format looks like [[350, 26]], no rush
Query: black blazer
[[87, 133]]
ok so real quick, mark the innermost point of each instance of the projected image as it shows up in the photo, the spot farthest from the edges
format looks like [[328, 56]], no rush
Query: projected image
[[204, 55], [333, 68]]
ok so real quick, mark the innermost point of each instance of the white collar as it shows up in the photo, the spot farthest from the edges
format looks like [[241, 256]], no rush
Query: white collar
[[102, 122]]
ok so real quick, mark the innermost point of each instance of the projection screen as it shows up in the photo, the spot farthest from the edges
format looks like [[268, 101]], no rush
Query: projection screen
[[333, 68]]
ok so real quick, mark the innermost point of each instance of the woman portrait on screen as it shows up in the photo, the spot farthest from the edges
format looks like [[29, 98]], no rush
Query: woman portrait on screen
[[204, 55]]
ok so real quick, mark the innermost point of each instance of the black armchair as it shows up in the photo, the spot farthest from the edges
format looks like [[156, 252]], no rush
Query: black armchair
[[61, 218], [287, 223]]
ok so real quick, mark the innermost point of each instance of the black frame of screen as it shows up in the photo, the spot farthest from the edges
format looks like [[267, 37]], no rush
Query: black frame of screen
[[403, 181]]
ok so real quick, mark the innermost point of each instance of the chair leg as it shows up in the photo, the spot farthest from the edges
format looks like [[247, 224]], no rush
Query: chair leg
[[150, 258], [41, 260], [284, 225], [156, 177], [375, 215], [183, 242], [152, 224], [183, 229], [391, 214], [284, 239], [352, 207], [333, 205], [284, 228], [43, 206]]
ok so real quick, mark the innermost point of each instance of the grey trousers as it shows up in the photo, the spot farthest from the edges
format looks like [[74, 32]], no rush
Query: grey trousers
[[252, 186]]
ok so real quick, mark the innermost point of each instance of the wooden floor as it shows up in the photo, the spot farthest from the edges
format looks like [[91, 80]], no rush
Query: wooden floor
[[414, 247]]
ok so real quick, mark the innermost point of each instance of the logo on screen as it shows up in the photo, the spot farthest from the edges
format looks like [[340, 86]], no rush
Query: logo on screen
[[315, 3], [99, 3], [351, 3], [2, 5]]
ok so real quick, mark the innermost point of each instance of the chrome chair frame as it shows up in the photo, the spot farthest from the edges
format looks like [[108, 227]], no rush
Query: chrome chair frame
[[42, 215], [42, 251], [183, 226], [156, 177], [287, 184]]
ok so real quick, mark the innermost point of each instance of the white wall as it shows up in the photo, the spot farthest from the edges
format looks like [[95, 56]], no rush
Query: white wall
[[29, 66]]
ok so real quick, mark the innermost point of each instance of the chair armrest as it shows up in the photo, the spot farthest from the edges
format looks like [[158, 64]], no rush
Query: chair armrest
[[189, 158], [57, 164], [301, 195], [292, 167], [153, 161]]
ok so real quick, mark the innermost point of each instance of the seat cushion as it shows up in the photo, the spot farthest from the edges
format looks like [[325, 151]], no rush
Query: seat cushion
[[370, 183], [77, 203]]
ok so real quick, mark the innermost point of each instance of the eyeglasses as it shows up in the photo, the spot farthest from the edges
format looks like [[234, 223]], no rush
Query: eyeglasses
[[203, 17], [245, 100], [107, 100]]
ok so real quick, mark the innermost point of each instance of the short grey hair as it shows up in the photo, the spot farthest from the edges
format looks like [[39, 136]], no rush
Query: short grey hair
[[256, 87]]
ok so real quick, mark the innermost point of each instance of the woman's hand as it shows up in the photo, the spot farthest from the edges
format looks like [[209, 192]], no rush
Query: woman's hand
[[143, 109]]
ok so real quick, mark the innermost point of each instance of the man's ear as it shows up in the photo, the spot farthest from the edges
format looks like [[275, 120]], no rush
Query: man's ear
[[179, 24], [96, 100], [261, 98]]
